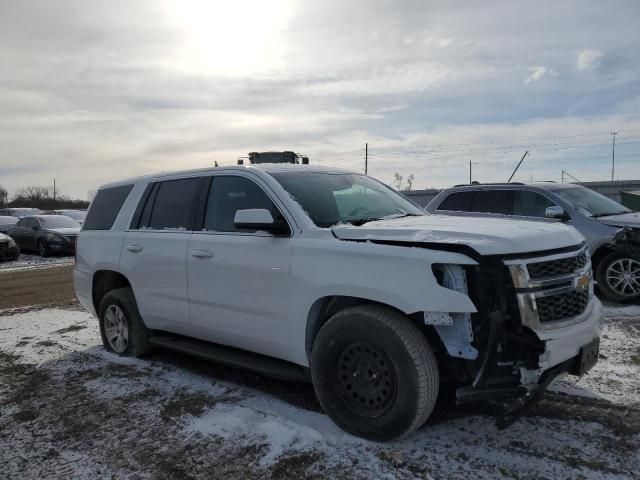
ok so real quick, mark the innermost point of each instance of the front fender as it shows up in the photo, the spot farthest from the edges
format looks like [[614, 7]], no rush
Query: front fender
[[398, 276]]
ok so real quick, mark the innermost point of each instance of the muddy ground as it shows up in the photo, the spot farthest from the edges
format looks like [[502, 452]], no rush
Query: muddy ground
[[38, 286], [68, 409]]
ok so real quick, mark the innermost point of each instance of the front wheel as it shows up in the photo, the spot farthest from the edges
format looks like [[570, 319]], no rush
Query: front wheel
[[43, 251], [618, 277], [374, 372]]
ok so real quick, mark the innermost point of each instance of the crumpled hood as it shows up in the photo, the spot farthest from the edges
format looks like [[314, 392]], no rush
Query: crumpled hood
[[632, 219], [487, 236], [64, 231]]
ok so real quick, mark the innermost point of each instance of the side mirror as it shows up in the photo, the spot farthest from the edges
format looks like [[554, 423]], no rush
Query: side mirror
[[36, 228], [260, 219], [556, 212]]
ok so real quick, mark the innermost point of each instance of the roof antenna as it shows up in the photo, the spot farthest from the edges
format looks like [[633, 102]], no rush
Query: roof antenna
[[517, 167]]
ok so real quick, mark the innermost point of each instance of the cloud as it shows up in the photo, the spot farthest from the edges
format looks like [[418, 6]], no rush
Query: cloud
[[538, 72], [588, 59]]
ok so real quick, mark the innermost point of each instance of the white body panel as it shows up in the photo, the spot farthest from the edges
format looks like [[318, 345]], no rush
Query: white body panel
[[239, 295]]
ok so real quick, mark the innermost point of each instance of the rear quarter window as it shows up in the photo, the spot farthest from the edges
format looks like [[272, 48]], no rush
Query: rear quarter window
[[105, 207]]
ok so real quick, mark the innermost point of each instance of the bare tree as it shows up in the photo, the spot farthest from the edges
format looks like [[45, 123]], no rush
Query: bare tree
[[410, 180], [36, 196], [397, 181]]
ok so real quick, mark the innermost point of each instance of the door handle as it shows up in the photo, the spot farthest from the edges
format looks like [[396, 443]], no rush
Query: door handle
[[134, 248], [201, 253]]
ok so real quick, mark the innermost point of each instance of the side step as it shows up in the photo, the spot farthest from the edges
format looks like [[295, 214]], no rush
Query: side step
[[255, 362]]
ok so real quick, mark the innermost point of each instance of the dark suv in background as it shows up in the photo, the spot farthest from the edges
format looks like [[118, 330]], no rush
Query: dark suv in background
[[611, 231]]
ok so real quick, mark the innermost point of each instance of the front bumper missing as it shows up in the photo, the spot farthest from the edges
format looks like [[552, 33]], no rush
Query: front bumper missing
[[514, 402]]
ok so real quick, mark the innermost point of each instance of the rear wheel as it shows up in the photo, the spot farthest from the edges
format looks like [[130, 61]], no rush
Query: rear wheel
[[618, 277], [374, 372], [121, 327]]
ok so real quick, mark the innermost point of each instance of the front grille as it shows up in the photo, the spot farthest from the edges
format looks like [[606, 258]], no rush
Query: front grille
[[71, 238], [4, 246], [555, 268], [562, 306]]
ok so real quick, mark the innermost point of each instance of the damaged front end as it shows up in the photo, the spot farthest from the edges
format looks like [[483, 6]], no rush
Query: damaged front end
[[537, 319]]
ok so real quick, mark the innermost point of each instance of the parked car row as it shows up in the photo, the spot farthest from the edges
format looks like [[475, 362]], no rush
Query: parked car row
[[45, 234]]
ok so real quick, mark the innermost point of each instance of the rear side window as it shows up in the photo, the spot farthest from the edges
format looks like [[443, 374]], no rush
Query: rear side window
[[105, 207], [170, 205], [457, 202], [493, 201]]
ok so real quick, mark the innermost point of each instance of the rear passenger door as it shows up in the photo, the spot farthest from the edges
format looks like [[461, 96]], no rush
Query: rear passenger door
[[154, 253], [239, 280]]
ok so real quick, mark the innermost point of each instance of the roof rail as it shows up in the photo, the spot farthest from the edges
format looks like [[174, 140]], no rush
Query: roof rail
[[490, 183]]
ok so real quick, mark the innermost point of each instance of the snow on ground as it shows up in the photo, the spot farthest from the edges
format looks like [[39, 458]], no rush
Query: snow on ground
[[31, 262], [69, 409]]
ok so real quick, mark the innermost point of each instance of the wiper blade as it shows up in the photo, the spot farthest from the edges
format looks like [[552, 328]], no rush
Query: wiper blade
[[362, 221], [612, 214]]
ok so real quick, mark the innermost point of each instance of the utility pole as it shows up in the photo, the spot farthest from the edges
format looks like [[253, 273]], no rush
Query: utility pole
[[366, 157], [54, 189], [613, 155], [469, 172]]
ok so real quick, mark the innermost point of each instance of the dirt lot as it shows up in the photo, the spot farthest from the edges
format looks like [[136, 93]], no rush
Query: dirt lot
[[37, 286], [68, 409]]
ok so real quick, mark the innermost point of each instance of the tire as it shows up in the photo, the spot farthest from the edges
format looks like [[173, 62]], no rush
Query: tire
[[43, 251], [119, 318], [374, 372], [613, 267]]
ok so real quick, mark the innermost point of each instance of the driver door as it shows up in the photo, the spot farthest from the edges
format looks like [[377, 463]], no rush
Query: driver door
[[239, 281]]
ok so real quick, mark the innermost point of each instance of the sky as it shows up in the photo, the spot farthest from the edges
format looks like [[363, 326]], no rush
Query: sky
[[92, 92]]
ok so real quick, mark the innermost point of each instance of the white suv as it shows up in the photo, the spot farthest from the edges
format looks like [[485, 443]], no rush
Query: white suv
[[314, 273]]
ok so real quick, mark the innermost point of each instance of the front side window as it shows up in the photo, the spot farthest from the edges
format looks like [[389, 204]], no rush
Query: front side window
[[171, 207], [23, 222], [330, 198], [227, 195], [590, 203], [530, 204]]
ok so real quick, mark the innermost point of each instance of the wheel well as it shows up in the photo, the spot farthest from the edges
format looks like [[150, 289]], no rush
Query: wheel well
[[103, 282], [324, 308], [598, 255]]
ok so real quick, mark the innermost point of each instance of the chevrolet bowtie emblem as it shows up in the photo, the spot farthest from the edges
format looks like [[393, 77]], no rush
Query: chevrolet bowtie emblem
[[582, 282]]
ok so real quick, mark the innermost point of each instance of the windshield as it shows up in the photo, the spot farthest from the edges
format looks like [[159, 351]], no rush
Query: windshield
[[76, 215], [590, 203], [330, 198], [58, 221]]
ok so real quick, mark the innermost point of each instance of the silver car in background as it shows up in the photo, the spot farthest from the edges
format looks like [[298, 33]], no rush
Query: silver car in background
[[611, 231]]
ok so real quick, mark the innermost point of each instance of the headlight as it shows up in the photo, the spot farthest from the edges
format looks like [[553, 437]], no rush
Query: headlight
[[52, 237], [634, 236], [12, 242]]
